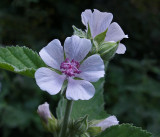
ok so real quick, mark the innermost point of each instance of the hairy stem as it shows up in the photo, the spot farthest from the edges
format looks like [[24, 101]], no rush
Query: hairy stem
[[66, 118]]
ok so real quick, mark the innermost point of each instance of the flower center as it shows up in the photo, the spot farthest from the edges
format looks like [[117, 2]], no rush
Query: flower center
[[70, 68]]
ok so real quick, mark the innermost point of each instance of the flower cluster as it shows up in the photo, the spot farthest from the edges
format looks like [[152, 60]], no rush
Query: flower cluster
[[71, 61], [74, 67]]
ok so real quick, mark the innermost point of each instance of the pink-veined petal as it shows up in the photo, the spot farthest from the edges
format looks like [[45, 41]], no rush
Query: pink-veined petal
[[79, 89], [53, 54], [77, 48], [115, 33], [49, 80], [121, 49], [92, 69]]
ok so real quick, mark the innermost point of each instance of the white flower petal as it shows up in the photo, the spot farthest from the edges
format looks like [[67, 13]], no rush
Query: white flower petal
[[86, 17], [108, 122], [77, 48], [98, 21], [53, 54], [115, 33], [79, 89], [44, 112], [92, 68], [121, 49], [49, 80]]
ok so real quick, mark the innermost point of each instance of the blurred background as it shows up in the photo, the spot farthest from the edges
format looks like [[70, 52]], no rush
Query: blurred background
[[132, 88]]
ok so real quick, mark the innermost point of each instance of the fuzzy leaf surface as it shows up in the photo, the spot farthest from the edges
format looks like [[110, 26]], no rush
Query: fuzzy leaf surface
[[125, 130], [20, 60]]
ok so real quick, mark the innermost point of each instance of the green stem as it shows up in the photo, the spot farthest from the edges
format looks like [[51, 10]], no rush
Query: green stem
[[66, 118]]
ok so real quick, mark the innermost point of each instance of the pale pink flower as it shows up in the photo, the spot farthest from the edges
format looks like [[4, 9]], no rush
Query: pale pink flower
[[71, 65], [108, 122], [99, 22], [44, 112]]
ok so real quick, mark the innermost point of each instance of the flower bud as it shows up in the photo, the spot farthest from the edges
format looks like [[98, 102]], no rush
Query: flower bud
[[97, 126], [107, 50], [79, 127], [48, 120], [108, 122], [44, 112]]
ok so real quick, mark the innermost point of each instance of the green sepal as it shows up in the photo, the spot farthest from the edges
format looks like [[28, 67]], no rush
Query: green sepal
[[94, 122], [64, 86], [79, 32], [51, 125], [108, 50], [55, 70], [82, 124], [85, 135], [78, 127], [100, 37], [94, 131], [89, 35], [94, 49]]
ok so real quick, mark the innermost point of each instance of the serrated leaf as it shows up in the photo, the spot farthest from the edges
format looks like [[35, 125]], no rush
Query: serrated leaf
[[125, 130], [79, 32], [20, 60], [94, 107]]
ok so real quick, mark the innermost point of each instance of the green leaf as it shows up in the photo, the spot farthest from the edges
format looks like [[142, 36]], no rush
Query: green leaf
[[100, 37], [79, 32], [94, 107], [125, 130], [20, 60]]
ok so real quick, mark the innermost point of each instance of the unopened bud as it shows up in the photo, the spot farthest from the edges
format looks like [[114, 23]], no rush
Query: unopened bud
[[44, 112], [108, 122], [108, 50], [48, 120]]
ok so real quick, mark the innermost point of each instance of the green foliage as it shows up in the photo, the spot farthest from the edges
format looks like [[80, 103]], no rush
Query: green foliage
[[132, 93], [124, 130], [79, 32], [19, 100], [94, 107], [21, 60], [131, 88]]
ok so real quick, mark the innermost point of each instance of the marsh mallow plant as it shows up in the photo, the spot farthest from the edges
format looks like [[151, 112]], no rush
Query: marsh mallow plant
[[72, 66], [76, 72]]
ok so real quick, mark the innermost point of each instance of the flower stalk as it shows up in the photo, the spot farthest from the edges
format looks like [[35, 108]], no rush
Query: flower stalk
[[66, 118]]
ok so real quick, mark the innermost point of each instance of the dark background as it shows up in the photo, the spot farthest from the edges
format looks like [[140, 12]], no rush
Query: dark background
[[132, 88]]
